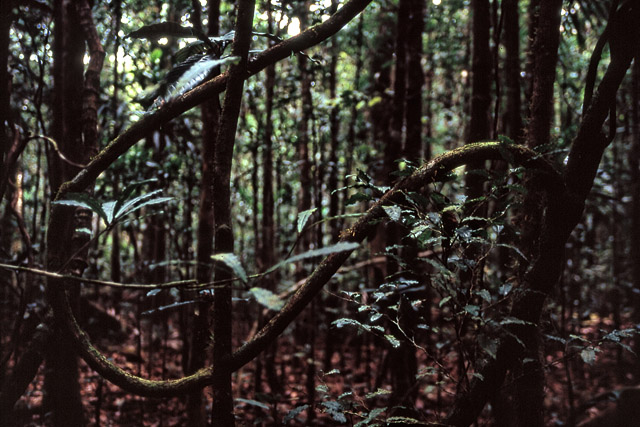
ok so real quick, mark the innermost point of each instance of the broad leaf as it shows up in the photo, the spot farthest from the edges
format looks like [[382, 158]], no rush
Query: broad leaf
[[197, 73], [267, 298], [233, 263], [373, 415], [201, 46], [252, 403], [327, 250], [162, 29], [83, 200], [303, 218], [393, 212]]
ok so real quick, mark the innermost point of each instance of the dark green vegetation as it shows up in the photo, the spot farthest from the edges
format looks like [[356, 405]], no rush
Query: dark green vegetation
[[319, 213]]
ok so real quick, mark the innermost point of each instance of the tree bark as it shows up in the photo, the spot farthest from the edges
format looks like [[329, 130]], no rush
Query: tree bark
[[199, 336], [222, 409], [62, 391], [415, 81]]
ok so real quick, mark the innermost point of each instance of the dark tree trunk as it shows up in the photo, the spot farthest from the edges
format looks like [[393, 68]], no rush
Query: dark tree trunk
[[634, 165], [415, 81], [62, 391], [529, 393], [199, 335], [222, 409], [6, 12], [393, 146], [513, 114], [481, 71]]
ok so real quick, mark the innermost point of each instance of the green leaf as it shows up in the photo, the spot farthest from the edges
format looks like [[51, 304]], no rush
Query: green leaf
[[83, 200], [403, 420], [395, 343], [233, 263], [252, 403], [335, 410], [162, 29], [375, 413], [292, 414], [393, 212], [357, 197], [128, 191], [139, 203], [484, 294], [303, 218], [201, 46], [196, 74], [588, 355], [267, 298], [327, 250], [378, 392]]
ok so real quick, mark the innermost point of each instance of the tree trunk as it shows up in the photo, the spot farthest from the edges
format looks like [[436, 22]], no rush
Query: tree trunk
[[480, 120], [222, 409], [415, 80], [62, 391], [199, 335]]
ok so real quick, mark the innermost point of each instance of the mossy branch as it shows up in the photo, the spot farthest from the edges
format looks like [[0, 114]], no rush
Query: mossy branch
[[428, 173]]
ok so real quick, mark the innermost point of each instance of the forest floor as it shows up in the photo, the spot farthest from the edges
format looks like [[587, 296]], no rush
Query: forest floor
[[352, 388]]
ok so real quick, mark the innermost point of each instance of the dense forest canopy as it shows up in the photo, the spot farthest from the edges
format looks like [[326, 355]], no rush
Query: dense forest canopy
[[335, 212]]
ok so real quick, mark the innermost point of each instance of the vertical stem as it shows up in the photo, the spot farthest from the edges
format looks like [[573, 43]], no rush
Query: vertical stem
[[222, 409]]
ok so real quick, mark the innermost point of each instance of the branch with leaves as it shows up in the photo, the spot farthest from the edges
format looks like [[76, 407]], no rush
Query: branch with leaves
[[430, 172], [306, 39]]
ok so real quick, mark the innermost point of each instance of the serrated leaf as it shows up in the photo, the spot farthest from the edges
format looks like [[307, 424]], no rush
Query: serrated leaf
[[140, 202], [322, 388], [393, 212], [403, 420], [292, 414], [378, 392], [588, 355], [162, 29], [196, 74], [267, 298], [375, 413], [395, 343], [472, 309], [233, 263], [83, 200], [128, 191], [303, 218], [327, 250], [345, 321], [335, 410], [484, 294]]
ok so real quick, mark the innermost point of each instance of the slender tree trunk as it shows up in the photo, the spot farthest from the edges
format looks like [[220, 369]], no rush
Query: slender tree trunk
[[199, 336], [222, 409], [393, 146], [634, 165], [480, 121], [530, 383], [6, 11], [62, 391], [415, 81], [513, 113]]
